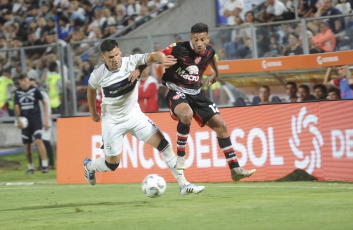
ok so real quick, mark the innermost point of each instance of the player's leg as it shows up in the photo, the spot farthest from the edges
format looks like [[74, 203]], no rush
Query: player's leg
[[46, 137], [27, 141], [113, 141], [181, 111], [148, 132], [219, 126], [162, 145], [43, 154], [37, 127], [28, 153]]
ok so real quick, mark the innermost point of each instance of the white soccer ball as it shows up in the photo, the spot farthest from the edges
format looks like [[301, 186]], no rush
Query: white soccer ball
[[153, 185], [24, 122]]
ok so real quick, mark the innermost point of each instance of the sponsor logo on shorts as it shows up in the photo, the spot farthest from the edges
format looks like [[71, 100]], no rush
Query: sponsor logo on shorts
[[176, 97]]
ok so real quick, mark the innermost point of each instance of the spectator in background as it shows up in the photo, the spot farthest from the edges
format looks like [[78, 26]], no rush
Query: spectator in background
[[133, 8], [264, 94], [292, 6], [320, 92], [344, 6], [236, 40], [326, 8], [275, 10], [32, 40], [333, 93], [6, 88], [82, 84], [344, 82], [325, 41], [291, 89], [286, 30], [54, 86], [293, 47], [65, 30], [232, 9], [46, 11], [307, 8], [120, 15], [178, 38], [304, 93], [88, 11], [275, 48], [148, 92]]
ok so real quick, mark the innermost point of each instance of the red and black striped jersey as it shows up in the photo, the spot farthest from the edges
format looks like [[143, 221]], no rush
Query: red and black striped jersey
[[190, 66]]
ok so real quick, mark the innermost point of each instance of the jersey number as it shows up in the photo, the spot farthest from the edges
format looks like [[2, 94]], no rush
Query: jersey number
[[214, 108]]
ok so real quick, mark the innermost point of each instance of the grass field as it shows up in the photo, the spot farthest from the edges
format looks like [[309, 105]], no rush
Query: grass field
[[245, 205]]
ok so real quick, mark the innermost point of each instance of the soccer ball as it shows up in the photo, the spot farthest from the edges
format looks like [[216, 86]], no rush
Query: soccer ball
[[24, 122], [153, 185]]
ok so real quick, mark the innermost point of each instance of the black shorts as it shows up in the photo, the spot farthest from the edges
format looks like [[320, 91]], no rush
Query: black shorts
[[34, 129], [203, 108]]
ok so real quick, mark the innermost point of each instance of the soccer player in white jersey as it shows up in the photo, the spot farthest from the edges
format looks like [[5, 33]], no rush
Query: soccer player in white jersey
[[121, 112]]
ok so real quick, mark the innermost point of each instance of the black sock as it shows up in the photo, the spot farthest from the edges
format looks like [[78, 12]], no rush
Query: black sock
[[182, 134], [227, 148]]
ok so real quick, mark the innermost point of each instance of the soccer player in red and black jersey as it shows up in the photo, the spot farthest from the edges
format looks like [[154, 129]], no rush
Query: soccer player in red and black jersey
[[186, 100]]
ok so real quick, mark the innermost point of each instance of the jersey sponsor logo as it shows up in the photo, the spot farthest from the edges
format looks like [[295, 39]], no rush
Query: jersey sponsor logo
[[197, 60], [190, 73], [119, 88]]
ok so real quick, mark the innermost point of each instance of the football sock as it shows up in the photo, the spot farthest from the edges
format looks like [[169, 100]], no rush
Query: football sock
[[169, 158], [227, 148], [98, 165], [30, 166], [44, 163], [182, 135]]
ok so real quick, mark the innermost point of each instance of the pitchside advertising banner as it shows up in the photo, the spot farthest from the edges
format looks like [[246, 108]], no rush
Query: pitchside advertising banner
[[275, 139]]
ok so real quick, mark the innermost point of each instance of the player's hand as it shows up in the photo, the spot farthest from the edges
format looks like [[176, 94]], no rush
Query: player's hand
[[169, 60], [134, 75], [212, 79], [19, 124], [96, 117]]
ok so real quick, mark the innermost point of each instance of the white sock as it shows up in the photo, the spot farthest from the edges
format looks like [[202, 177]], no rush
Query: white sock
[[44, 163], [169, 158], [98, 165], [30, 166]]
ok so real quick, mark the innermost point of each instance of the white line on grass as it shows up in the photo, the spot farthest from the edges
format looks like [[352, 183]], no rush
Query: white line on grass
[[46, 186]]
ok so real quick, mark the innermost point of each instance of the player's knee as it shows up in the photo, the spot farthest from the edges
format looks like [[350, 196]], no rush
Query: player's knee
[[185, 117], [112, 167]]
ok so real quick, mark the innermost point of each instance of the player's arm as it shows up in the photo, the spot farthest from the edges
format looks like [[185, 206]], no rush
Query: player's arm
[[327, 78], [136, 74], [166, 60], [17, 115], [349, 77], [46, 114], [214, 76], [91, 97]]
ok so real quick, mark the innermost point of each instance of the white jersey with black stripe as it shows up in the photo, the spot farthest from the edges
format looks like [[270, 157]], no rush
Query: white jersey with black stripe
[[119, 94]]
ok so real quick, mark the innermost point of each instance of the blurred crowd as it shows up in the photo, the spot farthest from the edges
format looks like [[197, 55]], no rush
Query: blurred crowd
[[324, 35], [39, 25]]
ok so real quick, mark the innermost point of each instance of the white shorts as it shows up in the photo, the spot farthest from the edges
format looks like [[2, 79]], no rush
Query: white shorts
[[139, 125]]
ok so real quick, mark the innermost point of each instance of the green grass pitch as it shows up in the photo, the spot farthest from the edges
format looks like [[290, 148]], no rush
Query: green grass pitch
[[244, 205]]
